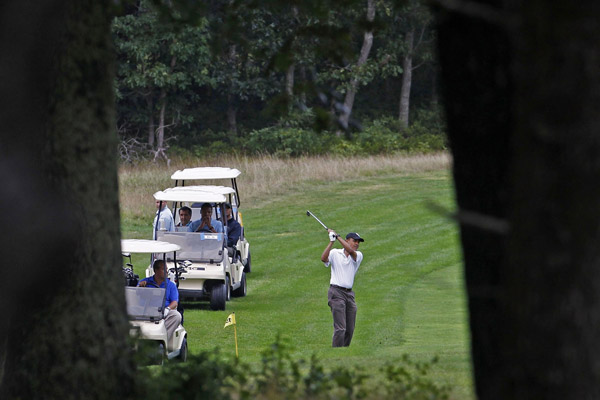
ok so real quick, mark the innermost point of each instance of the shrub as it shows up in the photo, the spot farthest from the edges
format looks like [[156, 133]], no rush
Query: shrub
[[425, 143], [298, 119], [386, 135], [344, 148], [287, 142], [378, 138], [431, 119], [280, 376]]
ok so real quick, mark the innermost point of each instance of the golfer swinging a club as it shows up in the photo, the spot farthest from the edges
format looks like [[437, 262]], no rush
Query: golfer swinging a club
[[344, 263]]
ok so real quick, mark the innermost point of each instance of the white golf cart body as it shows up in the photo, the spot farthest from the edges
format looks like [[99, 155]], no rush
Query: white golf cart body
[[204, 270], [145, 306], [231, 192]]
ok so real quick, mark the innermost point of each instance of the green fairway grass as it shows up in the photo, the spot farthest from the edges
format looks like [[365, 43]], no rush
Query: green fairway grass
[[409, 288]]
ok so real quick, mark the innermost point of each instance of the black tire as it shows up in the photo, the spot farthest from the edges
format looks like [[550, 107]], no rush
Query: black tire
[[228, 286], [183, 351], [243, 289], [218, 297], [247, 267]]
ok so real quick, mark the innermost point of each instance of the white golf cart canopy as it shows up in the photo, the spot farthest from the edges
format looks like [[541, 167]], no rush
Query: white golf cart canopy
[[147, 246], [184, 194], [224, 190], [209, 173], [206, 173]]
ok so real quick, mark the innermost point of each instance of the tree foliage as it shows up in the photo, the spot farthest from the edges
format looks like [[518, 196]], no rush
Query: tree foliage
[[236, 66]]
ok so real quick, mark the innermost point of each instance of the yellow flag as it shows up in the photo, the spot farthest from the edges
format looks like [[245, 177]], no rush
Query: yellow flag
[[230, 320]]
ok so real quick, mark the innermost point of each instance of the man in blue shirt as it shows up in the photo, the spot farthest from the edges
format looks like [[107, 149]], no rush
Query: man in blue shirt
[[172, 316], [234, 229], [206, 223]]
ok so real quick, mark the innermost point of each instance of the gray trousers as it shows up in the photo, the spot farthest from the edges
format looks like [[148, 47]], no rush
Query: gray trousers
[[172, 321], [343, 309]]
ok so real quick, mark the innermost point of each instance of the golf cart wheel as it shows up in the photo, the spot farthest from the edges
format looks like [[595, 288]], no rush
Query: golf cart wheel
[[247, 266], [218, 297], [228, 288], [183, 352], [243, 289]]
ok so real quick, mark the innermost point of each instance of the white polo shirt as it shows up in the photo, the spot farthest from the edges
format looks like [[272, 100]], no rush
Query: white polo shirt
[[343, 268]]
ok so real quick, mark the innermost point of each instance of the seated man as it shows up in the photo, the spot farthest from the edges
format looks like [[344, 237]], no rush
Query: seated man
[[185, 218], [206, 223], [234, 230], [172, 316]]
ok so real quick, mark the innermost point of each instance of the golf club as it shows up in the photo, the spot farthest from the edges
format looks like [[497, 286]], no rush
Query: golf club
[[309, 214]]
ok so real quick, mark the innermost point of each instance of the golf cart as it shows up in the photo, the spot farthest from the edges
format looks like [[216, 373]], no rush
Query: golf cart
[[146, 307], [231, 192], [204, 270]]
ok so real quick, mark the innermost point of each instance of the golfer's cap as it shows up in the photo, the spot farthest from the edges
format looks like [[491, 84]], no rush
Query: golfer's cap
[[227, 205], [354, 236]]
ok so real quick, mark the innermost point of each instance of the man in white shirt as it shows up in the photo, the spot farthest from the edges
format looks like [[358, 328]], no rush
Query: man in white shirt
[[344, 263], [164, 219]]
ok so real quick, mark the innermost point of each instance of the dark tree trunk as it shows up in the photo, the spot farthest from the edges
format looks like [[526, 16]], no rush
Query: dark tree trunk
[[521, 93], [64, 333]]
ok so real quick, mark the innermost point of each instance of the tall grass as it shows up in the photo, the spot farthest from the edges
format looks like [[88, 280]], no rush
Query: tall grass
[[266, 176]]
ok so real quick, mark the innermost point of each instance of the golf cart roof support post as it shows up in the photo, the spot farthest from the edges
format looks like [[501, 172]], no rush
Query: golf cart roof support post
[[175, 210], [176, 268], [237, 193], [166, 279], [224, 216], [157, 219]]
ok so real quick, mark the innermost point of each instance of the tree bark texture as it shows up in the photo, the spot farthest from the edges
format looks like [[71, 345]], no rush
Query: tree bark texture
[[151, 131], [160, 136], [65, 334], [522, 94], [231, 115], [231, 106], [406, 79], [160, 132], [289, 80], [362, 59]]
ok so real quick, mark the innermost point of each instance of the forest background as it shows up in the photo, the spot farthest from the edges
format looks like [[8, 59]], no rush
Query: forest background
[[346, 78]]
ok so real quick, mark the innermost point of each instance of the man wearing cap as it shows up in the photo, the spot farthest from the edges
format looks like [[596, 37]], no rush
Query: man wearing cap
[[344, 263]]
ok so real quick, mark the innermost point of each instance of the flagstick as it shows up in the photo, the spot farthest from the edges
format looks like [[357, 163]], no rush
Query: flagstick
[[235, 335]]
